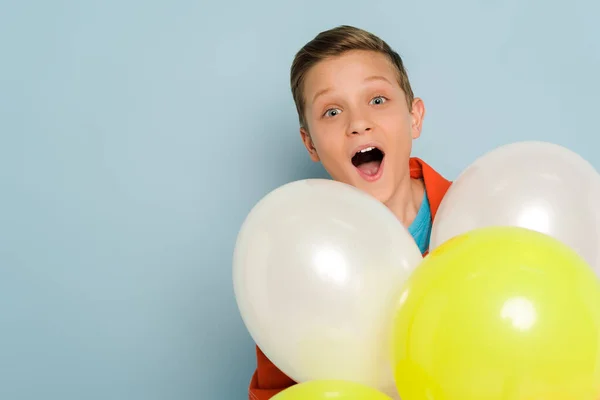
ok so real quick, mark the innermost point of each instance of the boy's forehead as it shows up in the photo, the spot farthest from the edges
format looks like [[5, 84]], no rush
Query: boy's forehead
[[346, 70]]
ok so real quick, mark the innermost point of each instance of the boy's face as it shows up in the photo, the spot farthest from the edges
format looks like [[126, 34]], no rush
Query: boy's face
[[358, 122]]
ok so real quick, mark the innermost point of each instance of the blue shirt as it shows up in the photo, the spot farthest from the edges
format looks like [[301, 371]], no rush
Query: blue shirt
[[420, 229]]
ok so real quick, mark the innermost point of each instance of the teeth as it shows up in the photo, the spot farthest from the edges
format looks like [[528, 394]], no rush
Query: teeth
[[367, 149]]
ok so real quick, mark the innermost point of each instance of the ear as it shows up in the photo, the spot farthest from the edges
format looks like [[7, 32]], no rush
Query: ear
[[310, 146], [418, 114]]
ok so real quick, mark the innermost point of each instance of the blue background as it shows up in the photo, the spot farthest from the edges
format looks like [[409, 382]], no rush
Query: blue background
[[137, 135]]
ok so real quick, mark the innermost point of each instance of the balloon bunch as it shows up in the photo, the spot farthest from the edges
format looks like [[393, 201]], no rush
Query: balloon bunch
[[506, 306]]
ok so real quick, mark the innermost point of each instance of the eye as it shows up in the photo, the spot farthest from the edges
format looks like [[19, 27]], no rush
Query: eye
[[332, 112], [378, 100]]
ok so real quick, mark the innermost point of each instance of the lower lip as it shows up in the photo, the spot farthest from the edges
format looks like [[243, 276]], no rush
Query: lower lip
[[372, 178]]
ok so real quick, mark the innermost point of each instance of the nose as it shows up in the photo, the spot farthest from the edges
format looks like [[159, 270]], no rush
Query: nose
[[358, 131], [359, 125]]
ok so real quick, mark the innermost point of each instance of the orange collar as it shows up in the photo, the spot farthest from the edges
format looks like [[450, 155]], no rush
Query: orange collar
[[435, 184]]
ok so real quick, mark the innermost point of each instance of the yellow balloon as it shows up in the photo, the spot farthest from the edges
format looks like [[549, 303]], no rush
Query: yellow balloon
[[501, 313], [330, 389]]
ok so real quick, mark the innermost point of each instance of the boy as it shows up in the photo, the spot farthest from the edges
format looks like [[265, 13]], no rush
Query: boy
[[358, 116]]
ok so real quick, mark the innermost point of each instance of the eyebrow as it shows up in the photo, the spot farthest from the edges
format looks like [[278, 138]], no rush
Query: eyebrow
[[377, 78], [320, 93], [367, 79]]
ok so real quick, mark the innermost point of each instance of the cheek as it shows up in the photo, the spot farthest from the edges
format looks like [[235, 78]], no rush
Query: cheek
[[330, 147], [399, 131], [327, 137], [395, 120]]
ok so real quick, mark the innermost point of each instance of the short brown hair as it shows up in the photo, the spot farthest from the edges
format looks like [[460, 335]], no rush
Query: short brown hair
[[335, 42]]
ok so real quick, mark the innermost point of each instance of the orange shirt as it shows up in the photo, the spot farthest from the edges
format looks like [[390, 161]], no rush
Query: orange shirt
[[268, 380]]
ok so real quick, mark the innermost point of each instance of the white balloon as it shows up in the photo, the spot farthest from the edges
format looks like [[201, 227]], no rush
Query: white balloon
[[317, 269], [537, 185]]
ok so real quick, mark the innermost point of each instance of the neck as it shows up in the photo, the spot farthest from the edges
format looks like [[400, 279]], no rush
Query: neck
[[407, 199]]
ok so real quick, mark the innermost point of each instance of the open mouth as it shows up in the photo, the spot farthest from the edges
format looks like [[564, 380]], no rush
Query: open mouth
[[368, 161]]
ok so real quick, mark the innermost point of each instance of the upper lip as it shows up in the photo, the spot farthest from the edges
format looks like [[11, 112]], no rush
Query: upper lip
[[364, 146]]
